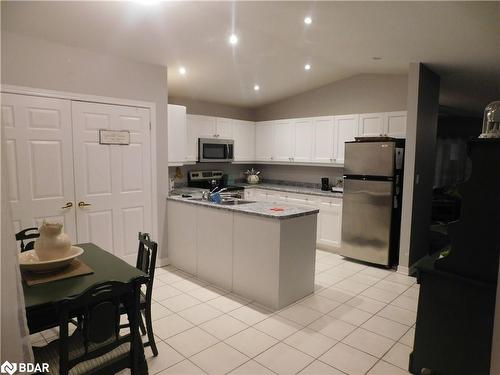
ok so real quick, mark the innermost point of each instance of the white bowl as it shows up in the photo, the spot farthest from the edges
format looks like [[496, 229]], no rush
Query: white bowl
[[29, 261]]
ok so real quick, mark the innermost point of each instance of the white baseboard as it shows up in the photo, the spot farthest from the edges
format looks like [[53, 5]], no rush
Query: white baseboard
[[162, 262], [403, 269]]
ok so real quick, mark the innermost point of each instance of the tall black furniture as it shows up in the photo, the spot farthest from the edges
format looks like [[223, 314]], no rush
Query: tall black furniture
[[457, 291]]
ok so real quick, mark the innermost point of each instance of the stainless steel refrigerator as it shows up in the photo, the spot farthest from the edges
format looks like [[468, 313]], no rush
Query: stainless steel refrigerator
[[371, 209]]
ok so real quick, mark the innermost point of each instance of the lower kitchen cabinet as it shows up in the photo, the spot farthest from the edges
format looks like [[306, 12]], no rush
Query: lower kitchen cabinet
[[329, 229], [330, 223], [181, 221], [215, 246]]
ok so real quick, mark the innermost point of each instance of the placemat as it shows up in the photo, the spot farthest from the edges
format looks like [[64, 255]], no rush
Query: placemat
[[75, 268]]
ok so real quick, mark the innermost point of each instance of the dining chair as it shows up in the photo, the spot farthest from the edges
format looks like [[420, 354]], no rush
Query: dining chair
[[99, 347], [146, 262], [25, 235]]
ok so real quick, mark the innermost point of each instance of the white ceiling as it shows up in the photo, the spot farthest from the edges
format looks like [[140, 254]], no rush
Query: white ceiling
[[458, 40]]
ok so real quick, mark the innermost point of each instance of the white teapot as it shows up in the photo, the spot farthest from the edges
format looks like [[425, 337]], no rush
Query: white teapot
[[53, 243]]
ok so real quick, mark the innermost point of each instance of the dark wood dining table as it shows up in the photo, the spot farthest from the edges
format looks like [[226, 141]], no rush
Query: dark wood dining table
[[41, 300]]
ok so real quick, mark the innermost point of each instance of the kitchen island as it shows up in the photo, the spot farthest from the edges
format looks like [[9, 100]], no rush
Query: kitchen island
[[263, 251]]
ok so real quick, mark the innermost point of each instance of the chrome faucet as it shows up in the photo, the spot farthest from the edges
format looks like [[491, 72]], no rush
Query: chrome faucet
[[207, 195]]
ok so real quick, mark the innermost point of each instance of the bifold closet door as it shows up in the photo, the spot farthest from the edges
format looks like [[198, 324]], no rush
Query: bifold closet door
[[39, 155], [112, 182]]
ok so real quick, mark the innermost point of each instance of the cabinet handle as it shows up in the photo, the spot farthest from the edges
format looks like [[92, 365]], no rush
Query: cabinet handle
[[83, 204], [68, 205]]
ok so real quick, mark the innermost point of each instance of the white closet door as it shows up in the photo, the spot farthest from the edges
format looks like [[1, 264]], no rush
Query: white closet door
[[115, 180], [39, 160]]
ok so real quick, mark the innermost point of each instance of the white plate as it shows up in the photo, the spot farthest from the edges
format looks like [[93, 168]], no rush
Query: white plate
[[29, 261]]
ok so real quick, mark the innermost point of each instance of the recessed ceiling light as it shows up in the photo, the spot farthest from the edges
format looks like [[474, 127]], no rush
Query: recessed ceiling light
[[308, 20], [307, 67], [182, 70], [256, 87], [233, 39]]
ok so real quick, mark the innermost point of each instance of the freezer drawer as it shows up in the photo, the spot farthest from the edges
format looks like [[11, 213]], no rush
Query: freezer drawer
[[369, 158], [366, 220]]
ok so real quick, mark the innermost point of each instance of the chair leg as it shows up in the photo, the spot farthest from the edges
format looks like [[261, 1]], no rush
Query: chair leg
[[149, 325], [141, 325]]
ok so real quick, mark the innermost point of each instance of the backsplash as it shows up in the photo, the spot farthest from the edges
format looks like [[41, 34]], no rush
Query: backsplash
[[309, 176]]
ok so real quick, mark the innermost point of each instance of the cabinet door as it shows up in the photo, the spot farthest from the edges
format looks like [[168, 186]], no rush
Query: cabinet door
[[264, 134], [330, 223], [176, 133], [215, 251], [396, 124], [323, 139], [224, 128], [197, 127], [181, 239], [303, 140], [346, 128], [371, 124], [244, 140], [283, 140]]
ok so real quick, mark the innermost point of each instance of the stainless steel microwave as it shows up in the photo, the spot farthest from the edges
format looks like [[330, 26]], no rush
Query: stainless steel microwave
[[212, 150]]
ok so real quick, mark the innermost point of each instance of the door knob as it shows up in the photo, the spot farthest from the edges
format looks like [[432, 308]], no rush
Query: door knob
[[68, 205], [83, 204]]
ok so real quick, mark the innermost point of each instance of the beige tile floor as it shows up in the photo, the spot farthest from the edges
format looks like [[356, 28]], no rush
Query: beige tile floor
[[360, 320]]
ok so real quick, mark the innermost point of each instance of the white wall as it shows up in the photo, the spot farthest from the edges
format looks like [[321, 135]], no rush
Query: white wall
[[362, 93], [37, 63], [421, 130]]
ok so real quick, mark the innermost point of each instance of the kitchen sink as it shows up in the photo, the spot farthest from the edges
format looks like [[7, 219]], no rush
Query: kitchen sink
[[235, 202], [232, 202]]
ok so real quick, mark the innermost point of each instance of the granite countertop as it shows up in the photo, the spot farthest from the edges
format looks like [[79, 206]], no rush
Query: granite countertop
[[256, 208], [293, 189]]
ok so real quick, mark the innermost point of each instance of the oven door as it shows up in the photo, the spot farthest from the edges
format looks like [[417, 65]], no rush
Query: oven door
[[215, 150]]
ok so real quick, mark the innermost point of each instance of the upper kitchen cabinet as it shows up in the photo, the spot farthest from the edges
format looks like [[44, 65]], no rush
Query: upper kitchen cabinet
[[346, 129], [303, 140], [371, 124], [323, 151], [176, 134], [264, 135], [396, 124], [198, 127], [283, 140], [388, 124], [223, 128], [244, 140]]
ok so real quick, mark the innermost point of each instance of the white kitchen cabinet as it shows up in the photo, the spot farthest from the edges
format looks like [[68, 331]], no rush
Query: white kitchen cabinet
[[283, 140], [329, 229], [223, 128], [177, 131], [244, 140], [181, 241], [396, 124], [198, 127], [264, 135], [330, 222], [389, 124], [303, 140], [323, 139], [372, 124], [215, 246], [346, 129]]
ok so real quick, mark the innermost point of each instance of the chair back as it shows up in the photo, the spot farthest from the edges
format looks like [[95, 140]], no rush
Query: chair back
[[25, 235], [146, 259], [99, 308]]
